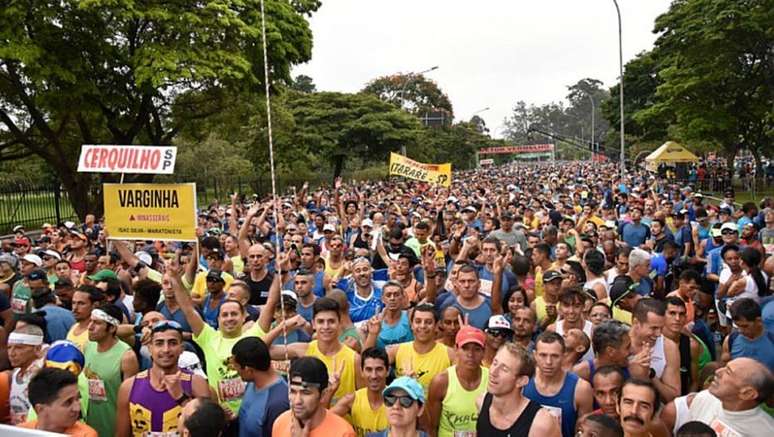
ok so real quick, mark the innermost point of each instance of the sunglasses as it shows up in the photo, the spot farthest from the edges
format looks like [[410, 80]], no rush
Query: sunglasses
[[728, 232], [164, 325], [405, 401], [504, 333], [215, 280]]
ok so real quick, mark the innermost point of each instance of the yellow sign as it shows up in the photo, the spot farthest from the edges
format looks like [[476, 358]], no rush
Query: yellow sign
[[150, 211], [434, 173]]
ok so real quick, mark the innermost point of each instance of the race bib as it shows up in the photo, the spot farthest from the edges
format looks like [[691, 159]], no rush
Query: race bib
[[486, 287], [231, 389], [723, 430], [281, 366], [555, 412], [97, 390], [19, 305], [160, 434], [464, 434]]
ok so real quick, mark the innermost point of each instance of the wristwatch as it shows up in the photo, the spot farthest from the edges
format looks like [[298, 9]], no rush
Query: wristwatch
[[652, 373]]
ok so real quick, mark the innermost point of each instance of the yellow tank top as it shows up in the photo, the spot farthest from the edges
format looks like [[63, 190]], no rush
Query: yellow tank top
[[347, 377], [364, 419], [81, 339], [540, 308], [330, 271], [458, 408], [425, 366], [538, 281]]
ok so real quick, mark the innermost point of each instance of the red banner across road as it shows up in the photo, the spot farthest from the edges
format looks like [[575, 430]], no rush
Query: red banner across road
[[528, 148]]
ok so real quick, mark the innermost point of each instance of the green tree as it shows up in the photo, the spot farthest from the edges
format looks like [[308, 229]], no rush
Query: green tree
[[339, 126], [304, 84], [123, 72], [716, 64], [414, 93]]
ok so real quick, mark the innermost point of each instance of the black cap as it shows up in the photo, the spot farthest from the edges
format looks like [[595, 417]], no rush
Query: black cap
[[622, 286], [215, 275], [40, 292], [37, 275], [63, 282], [309, 370], [550, 275]]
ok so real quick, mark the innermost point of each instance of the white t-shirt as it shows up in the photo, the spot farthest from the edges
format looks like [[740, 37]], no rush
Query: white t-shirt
[[708, 409]]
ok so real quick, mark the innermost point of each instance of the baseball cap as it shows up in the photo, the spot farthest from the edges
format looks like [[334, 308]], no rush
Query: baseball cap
[[63, 282], [103, 275], [622, 286], [726, 227], [329, 228], [8, 259], [64, 354], [725, 210], [451, 199], [40, 291], [144, 257], [697, 194], [308, 370], [52, 253], [407, 384], [291, 294], [498, 321], [367, 222], [469, 209], [715, 232], [216, 252], [18, 228], [469, 334], [37, 275], [21, 241], [550, 275], [33, 259], [215, 275]]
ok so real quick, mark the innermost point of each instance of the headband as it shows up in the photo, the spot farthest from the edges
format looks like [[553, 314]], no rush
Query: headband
[[105, 317], [28, 339]]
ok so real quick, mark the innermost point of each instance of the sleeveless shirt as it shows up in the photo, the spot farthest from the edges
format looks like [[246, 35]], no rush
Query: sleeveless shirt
[[344, 355], [364, 419], [103, 377], [425, 366], [520, 427], [153, 411], [561, 405], [458, 408]]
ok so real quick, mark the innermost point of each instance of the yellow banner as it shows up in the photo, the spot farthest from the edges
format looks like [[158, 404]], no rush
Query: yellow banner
[[434, 173], [150, 211]]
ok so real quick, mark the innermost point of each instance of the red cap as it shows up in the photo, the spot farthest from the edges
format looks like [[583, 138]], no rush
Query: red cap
[[470, 334]]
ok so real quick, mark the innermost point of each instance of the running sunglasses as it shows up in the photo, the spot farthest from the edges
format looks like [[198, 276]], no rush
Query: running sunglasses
[[164, 325], [405, 401], [498, 332]]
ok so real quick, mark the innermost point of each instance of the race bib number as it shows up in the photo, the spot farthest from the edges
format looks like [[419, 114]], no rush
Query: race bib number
[[486, 287], [161, 434], [723, 430], [19, 305], [231, 389], [97, 390], [555, 412], [281, 366]]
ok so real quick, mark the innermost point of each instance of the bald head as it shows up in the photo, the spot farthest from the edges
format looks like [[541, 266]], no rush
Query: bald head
[[755, 374], [152, 317]]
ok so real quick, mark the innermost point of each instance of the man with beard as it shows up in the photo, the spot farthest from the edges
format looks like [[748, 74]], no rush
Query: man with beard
[[452, 394], [503, 411], [552, 386], [148, 401], [308, 416], [366, 406], [732, 406], [638, 405], [85, 299]]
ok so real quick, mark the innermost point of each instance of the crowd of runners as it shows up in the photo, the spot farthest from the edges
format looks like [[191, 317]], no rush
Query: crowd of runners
[[553, 299]]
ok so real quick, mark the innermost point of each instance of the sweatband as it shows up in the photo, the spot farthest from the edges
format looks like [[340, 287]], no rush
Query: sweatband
[[28, 339], [105, 317]]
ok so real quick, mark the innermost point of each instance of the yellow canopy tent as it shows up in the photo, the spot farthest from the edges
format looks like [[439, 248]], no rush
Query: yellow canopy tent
[[669, 153]]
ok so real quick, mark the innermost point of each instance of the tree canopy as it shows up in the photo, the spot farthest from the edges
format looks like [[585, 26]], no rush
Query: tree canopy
[[413, 92]]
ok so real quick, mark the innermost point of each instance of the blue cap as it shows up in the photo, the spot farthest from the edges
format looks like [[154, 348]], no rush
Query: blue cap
[[409, 385], [64, 354]]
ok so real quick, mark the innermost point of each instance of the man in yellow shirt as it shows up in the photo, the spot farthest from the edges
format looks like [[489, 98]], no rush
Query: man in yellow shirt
[[623, 295], [365, 407], [215, 261]]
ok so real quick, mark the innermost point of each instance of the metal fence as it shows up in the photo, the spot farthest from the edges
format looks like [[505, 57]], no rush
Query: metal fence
[[32, 205]]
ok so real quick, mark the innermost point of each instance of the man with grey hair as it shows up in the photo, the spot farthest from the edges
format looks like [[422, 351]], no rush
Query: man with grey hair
[[732, 404], [363, 289], [639, 271], [610, 342]]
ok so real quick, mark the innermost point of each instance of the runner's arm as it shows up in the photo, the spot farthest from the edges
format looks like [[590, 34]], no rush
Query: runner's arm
[[123, 423], [436, 393], [544, 425], [199, 387], [186, 304], [295, 350], [696, 350], [668, 384], [584, 398], [129, 364], [267, 314]]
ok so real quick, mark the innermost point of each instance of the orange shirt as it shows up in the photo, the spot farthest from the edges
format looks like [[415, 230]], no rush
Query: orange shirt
[[331, 426], [79, 429], [690, 311]]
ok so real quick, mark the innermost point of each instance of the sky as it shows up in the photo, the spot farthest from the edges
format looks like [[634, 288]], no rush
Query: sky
[[489, 53]]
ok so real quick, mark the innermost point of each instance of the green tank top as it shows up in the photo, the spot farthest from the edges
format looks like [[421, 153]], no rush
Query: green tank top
[[458, 409], [103, 378]]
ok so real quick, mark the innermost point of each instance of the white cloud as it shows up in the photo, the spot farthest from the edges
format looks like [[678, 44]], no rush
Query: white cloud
[[490, 53]]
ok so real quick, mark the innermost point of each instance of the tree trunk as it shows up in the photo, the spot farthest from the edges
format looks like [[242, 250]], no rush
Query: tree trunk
[[730, 155], [338, 165]]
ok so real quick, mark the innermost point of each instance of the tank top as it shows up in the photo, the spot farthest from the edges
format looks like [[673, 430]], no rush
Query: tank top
[[364, 419], [400, 332], [561, 405], [658, 357], [685, 364], [589, 285], [520, 427], [81, 339], [103, 378], [682, 413], [152, 411], [458, 408], [18, 402], [425, 366], [347, 377], [330, 271]]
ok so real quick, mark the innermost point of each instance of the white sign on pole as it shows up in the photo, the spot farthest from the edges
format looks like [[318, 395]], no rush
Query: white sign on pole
[[127, 159]]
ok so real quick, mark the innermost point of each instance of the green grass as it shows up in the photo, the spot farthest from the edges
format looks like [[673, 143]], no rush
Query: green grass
[[31, 210]]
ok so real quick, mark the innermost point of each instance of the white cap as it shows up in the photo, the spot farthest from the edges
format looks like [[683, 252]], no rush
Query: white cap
[[498, 322], [451, 199], [34, 259], [289, 293], [329, 227], [729, 226], [144, 257], [367, 222], [69, 225], [53, 253]]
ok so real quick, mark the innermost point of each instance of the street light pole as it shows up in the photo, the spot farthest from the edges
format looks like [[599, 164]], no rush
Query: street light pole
[[621, 87], [593, 109], [409, 79]]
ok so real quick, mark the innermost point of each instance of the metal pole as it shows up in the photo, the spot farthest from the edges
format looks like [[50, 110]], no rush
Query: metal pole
[[408, 80], [621, 87], [593, 148]]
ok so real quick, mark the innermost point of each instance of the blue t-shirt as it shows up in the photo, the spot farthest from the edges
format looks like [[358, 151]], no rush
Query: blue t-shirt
[[363, 309], [397, 333], [58, 322], [485, 275], [210, 315], [177, 316], [479, 316], [306, 312], [635, 234], [260, 408], [761, 349]]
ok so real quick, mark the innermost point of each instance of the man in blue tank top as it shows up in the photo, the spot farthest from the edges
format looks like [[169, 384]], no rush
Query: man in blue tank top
[[566, 396]]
